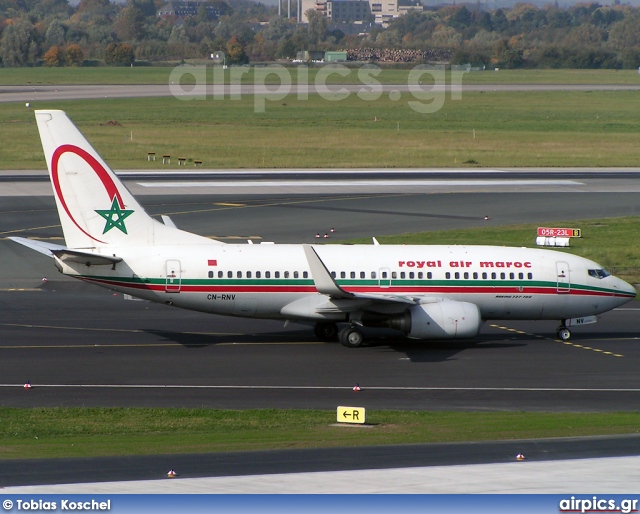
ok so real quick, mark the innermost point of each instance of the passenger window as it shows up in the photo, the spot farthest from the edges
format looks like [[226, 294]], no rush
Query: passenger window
[[503, 276], [466, 274], [373, 274], [258, 274], [286, 274], [305, 274], [343, 274], [429, 275], [229, 274], [493, 275], [333, 274], [384, 274], [402, 274], [529, 276], [447, 275], [276, 274], [420, 275], [353, 274], [394, 274], [475, 275], [484, 275], [363, 274], [248, 274], [520, 276], [412, 274], [457, 275], [512, 276], [296, 274], [239, 274], [211, 274], [267, 274], [220, 274]]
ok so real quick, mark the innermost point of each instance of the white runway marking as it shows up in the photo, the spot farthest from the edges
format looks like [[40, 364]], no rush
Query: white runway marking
[[343, 183], [331, 388]]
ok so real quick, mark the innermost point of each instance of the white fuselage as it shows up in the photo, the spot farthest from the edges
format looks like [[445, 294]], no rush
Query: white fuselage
[[275, 281]]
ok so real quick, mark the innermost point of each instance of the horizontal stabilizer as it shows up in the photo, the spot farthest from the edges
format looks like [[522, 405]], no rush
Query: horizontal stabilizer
[[67, 255], [38, 246], [87, 258]]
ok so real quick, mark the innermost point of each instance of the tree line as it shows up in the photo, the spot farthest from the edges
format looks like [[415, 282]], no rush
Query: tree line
[[54, 33]]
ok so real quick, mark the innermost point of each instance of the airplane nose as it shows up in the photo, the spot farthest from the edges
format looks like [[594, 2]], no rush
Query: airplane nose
[[626, 289]]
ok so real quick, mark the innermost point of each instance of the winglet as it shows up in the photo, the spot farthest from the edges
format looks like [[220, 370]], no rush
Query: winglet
[[325, 284]]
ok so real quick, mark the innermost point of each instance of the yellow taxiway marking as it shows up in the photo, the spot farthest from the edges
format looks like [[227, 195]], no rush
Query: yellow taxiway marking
[[125, 330], [150, 345], [228, 204], [27, 229], [234, 237], [138, 331], [568, 343], [285, 202], [52, 238]]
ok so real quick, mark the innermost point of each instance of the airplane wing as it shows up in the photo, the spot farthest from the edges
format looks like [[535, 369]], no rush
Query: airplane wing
[[325, 284], [66, 254]]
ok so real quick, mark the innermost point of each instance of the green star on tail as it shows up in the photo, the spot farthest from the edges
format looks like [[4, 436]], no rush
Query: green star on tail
[[115, 216]]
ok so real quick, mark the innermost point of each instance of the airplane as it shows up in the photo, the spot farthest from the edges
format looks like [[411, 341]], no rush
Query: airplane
[[423, 291]]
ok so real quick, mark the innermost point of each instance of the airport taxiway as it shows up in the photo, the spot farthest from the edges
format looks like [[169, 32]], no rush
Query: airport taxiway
[[86, 346]]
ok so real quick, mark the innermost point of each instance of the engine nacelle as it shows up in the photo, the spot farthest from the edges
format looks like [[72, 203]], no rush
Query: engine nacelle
[[447, 319]]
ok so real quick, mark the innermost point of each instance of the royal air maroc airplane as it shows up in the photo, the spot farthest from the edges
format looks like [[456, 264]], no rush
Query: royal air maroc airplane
[[426, 292]]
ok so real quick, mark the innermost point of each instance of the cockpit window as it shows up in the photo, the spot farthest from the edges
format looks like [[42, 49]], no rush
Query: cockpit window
[[599, 273]]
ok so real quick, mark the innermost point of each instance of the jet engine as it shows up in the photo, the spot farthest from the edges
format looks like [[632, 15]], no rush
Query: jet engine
[[447, 319]]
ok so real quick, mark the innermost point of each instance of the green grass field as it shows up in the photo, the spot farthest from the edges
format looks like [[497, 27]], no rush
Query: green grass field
[[86, 432], [483, 129]]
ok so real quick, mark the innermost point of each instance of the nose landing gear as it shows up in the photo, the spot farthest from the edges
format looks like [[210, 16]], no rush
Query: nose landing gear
[[563, 333]]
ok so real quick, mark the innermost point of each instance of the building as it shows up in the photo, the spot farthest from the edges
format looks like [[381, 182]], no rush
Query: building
[[347, 10], [182, 9], [360, 10]]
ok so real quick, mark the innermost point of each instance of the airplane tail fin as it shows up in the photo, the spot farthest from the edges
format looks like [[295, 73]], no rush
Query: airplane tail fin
[[96, 210]]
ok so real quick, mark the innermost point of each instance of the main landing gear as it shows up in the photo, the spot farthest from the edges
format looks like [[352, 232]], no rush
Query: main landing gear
[[326, 331], [350, 336]]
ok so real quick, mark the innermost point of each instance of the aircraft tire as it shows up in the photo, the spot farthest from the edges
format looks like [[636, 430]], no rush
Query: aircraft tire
[[564, 333], [326, 331], [351, 337]]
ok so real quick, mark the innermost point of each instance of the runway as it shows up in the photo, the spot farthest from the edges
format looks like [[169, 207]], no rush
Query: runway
[[208, 88]]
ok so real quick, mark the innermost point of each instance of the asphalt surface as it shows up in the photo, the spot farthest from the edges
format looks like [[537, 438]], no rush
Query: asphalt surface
[[49, 92], [80, 345], [81, 471]]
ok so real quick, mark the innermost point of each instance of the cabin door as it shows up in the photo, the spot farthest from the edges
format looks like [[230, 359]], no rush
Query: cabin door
[[173, 277], [563, 284]]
